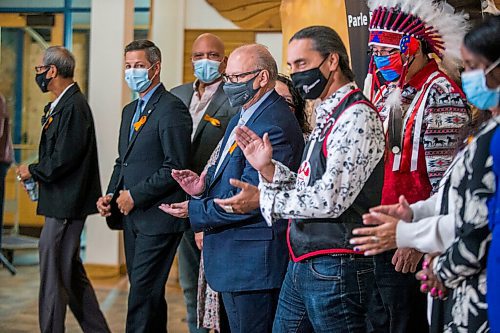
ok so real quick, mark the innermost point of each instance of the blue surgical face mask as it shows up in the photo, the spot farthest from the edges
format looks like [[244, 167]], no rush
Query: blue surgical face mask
[[476, 90], [206, 70], [138, 79]]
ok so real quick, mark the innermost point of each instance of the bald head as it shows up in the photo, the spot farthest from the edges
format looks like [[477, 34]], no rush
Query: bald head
[[251, 57], [206, 44]]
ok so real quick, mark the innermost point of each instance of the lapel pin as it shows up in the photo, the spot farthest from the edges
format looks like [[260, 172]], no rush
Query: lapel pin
[[215, 122], [139, 124]]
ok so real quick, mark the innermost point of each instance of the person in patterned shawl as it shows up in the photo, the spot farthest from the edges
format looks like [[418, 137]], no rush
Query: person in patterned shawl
[[423, 111]]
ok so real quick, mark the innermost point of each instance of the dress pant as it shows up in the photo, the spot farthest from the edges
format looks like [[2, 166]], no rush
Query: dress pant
[[251, 311], [63, 280], [149, 259], [4, 167], [189, 269], [401, 296]]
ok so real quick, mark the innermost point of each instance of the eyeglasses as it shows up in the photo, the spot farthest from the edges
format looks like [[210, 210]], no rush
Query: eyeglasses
[[379, 53], [209, 55], [39, 69], [235, 78]]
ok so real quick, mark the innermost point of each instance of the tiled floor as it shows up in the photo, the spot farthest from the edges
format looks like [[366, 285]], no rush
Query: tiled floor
[[19, 307]]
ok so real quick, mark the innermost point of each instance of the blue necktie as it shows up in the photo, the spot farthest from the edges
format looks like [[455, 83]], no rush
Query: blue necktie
[[135, 118]]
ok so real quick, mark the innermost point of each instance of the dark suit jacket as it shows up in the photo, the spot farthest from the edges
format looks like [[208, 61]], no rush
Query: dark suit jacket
[[67, 170], [207, 136], [144, 164], [241, 252]]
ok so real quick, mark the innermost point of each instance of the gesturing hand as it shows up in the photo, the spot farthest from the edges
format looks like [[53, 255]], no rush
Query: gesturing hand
[[189, 181], [180, 209], [401, 210], [378, 239], [258, 152], [243, 202]]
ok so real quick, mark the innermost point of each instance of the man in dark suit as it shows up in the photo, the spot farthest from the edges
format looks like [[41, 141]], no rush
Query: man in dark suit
[[67, 173], [154, 139], [245, 259], [211, 112]]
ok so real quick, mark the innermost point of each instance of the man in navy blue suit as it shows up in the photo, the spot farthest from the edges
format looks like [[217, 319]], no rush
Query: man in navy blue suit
[[244, 259], [155, 137]]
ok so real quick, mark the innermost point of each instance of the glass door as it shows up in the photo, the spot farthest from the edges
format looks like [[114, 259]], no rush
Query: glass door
[[23, 38]]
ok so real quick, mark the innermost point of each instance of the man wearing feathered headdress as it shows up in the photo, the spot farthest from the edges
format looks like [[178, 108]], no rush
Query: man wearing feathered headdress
[[423, 112]]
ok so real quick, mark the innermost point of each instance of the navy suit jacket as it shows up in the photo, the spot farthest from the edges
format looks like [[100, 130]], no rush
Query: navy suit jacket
[[240, 252], [144, 164]]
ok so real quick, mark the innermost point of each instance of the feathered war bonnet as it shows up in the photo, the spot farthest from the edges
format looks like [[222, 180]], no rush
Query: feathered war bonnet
[[400, 23]]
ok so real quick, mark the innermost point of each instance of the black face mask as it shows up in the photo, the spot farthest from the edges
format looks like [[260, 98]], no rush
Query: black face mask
[[42, 81], [310, 83], [240, 93]]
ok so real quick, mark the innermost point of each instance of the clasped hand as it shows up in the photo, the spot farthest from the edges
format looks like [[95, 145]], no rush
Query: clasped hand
[[124, 202], [429, 282], [103, 205]]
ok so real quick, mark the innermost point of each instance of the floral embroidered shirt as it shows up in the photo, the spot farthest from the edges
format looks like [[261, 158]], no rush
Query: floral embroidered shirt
[[354, 148]]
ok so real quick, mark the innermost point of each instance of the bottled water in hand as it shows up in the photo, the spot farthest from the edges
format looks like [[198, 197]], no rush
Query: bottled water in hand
[[32, 187]]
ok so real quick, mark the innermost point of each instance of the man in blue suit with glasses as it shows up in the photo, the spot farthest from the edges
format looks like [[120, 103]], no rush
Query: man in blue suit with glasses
[[245, 260]]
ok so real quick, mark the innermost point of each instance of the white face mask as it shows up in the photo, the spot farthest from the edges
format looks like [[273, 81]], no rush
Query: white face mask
[[137, 79]]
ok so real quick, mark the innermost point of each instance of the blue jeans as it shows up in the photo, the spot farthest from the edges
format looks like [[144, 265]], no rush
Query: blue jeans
[[330, 294]]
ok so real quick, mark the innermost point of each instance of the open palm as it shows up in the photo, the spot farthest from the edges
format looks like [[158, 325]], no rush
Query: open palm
[[189, 181], [401, 210], [258, 152]]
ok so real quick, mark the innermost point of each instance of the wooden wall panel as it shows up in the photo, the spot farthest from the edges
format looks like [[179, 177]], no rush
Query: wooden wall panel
[[232, 39], [250, 14], [298, 14], [12, 20]]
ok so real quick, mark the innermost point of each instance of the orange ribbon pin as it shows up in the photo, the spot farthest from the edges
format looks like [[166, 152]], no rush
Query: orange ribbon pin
[[139, 124], [49, 121], [233, 147], [215, 122]]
